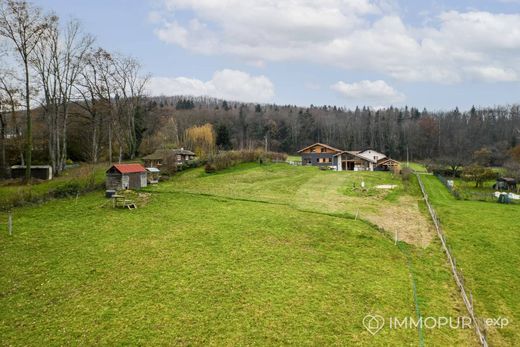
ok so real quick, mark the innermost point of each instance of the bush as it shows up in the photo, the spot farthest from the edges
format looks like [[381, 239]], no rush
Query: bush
[[406, 173], [71, 188], [224, 160]]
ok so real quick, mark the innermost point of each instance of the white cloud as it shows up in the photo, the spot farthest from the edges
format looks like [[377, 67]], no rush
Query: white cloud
[[352, 34], [225, 84], [369, 91]]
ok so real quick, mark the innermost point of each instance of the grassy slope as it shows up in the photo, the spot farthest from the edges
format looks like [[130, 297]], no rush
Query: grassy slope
[[15, 194], [194, 269], [485, 239]]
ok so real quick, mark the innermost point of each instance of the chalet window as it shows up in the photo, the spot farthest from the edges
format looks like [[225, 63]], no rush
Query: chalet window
[[322, 150], [313, 150]]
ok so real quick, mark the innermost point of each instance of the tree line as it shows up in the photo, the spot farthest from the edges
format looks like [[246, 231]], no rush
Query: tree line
[[53, 73], [63, 97]]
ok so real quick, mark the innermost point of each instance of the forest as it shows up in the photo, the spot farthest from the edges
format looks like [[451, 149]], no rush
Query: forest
[[63, 98]]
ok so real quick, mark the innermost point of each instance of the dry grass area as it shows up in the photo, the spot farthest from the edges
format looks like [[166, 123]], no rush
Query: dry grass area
[[406, 220], [401, 215]]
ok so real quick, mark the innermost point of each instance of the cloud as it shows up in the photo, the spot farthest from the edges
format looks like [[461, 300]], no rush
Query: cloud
[[225, 84], [365, 35], [369, 91]]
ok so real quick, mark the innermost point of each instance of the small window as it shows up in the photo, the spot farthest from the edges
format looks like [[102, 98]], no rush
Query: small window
[[322, 150]]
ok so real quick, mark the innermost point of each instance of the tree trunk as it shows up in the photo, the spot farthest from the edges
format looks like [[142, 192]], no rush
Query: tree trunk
[[110, 143], [29, 140], [3, 166]]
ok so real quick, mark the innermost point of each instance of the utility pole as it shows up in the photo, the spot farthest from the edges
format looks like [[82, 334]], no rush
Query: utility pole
[[265, 138]]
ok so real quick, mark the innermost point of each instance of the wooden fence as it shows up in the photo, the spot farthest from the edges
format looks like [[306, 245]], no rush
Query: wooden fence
[[459, 279]]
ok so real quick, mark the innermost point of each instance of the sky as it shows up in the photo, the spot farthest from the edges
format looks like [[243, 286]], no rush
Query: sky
[[432, 53]]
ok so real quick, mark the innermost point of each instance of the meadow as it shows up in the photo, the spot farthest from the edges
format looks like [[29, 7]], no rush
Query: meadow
[[485, 240], [253, 255], [79, 179]]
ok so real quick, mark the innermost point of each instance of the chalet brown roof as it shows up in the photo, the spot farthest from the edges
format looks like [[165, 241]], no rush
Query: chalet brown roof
[[163, 153], [320, 144]]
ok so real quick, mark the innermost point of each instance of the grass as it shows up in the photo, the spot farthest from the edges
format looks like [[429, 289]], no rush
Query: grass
[[417, 167], [294, 158], [485, 240], [253, 255], [307, 188], [14, 193]]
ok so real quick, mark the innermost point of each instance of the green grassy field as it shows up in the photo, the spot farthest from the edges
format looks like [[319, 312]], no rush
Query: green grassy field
[[253, 255], [485, 239], [417, 167], [14, 193]]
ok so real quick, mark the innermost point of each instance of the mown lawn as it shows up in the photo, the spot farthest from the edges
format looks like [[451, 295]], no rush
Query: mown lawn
[[485, 239], [191, 267]]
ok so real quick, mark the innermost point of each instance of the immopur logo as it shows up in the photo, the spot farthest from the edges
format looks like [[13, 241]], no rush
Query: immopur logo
[[374, 323]]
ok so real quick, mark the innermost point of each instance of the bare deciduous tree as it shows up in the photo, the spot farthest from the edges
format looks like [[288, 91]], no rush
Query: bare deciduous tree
[[24, 25]]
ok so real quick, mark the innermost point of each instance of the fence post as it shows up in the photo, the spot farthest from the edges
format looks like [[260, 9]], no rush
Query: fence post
[[10, 223]]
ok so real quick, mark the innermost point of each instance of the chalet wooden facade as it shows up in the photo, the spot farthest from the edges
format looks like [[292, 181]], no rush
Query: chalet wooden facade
[[157, 158], [126, 176], [323, 155]]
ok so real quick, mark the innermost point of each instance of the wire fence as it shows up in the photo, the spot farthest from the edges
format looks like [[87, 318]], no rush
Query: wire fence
[[457, 274]]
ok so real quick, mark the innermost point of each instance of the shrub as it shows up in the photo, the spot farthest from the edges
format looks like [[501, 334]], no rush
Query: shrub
[[224, 160], [406, 173], [71, 188]]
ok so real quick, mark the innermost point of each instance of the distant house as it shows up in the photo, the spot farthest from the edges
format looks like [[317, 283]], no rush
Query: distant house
[[320, 154], [157, 158], [126, 176], [41, 172], [505, 183]]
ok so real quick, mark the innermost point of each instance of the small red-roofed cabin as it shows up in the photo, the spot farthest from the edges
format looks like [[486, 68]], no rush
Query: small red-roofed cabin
[[126, 176]]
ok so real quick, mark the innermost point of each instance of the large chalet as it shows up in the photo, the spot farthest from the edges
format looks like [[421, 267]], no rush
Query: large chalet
[[323, 155]]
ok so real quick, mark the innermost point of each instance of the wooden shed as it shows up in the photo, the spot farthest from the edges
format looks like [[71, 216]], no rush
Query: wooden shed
[[126, 176], [153, 175]]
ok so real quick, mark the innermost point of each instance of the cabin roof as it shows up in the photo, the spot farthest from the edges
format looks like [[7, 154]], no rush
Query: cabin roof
[[320, 144], [128, 168], [163, 153], [152, 169]]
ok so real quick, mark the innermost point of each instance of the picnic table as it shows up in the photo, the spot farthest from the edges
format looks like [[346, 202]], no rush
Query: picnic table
[[122, 202]]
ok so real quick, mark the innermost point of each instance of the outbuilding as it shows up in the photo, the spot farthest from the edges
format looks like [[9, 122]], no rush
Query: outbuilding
[[505, 183], [153, 175], [41, 172], [126, 176]]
